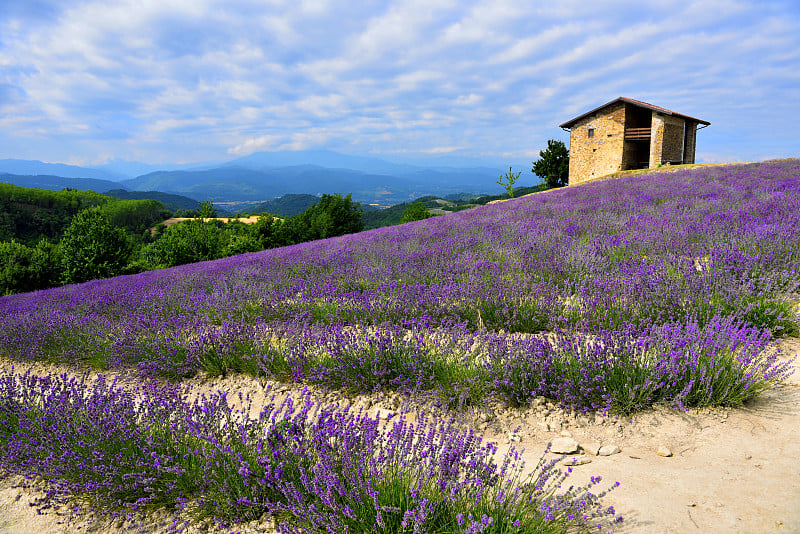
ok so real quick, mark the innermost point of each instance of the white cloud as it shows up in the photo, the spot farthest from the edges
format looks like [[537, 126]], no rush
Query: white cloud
[[262, 142], [205, 78], [468, 100], [441, 149]]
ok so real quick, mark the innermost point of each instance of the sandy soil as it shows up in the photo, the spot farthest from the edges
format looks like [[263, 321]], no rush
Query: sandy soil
[[175, 220], [245, 220], [732, 470]]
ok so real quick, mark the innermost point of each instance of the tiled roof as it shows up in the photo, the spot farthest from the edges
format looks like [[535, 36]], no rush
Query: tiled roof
[[639, 103]]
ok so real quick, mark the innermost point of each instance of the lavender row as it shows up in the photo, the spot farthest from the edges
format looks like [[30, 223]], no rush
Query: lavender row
[[312, 467], [724, 362]]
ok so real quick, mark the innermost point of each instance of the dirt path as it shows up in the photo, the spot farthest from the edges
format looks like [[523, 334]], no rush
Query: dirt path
[[732, 470]]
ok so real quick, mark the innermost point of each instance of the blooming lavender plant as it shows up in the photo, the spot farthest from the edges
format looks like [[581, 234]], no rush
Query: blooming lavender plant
[[314, 467]]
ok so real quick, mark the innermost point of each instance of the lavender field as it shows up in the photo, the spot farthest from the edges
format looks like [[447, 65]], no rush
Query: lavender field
[[613, 296], [665, 288]]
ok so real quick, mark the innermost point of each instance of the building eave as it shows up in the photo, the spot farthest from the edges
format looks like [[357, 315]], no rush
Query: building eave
[[567, 125]]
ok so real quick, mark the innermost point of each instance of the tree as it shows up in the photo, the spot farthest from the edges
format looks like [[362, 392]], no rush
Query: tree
[[135, 216], [93, 248], [186, 242], [206, 210], [553, 165], [332, 216], [28, 268], [416, 211], [510, 179], [267, 231]]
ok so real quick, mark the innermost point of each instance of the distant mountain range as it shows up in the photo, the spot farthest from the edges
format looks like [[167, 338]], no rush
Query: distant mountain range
[[266, 175], [57, 183], [31, 167]]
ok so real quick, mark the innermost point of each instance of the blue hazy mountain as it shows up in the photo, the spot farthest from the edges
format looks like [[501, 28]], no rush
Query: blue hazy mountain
[[240, 184], [266, 175], [126, 170], [57, 183], [33, 167], [319, 158]]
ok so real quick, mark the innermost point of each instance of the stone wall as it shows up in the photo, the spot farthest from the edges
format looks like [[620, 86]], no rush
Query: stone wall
[[690, 139], [656, 139], [590, 157], [672, 143]]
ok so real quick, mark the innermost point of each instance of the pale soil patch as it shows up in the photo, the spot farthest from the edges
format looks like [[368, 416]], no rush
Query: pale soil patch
[[732, 470], [175, 220], [246, 220]]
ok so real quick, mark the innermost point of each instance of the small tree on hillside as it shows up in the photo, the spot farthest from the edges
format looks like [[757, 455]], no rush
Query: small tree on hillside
[[206, 210], [332, 216], [185, 242], [553, 165], [93, 248], [510, 179], [416, 211]]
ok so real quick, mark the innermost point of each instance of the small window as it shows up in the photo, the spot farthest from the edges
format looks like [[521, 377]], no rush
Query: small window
[[591, 132]]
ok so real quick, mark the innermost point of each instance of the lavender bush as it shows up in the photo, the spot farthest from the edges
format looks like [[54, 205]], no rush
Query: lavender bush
[[639, 263], [315, 468]]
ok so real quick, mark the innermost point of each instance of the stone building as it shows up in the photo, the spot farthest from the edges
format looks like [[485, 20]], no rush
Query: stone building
[[628, 134]]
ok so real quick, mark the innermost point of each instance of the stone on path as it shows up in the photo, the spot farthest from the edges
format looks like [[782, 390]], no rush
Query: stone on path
[[608, 450], [578, 460], [591, 448], [663, 450], [564, 446]]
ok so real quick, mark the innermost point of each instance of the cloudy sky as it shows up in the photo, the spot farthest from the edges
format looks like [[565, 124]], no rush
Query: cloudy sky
[[174, 81]]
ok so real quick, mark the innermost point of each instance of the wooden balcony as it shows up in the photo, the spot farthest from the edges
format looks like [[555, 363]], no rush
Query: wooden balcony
[[637, 134]]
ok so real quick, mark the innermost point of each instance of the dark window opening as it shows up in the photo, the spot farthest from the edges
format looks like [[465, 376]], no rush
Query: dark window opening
[[591, 132]]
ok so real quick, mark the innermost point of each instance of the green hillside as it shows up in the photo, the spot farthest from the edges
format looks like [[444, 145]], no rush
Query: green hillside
[[170, 201], [29, 214]]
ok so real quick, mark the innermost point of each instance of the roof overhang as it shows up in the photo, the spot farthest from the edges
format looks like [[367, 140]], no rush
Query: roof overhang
[[567, 125]]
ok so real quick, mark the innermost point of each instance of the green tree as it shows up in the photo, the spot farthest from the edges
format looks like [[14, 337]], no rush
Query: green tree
[[135, 216], [332, 216], [267, 231], [416, 211], [206, 210], [186, 242], [25, 268], [510, 179], [240, 244], [553, 165], [93, 248]]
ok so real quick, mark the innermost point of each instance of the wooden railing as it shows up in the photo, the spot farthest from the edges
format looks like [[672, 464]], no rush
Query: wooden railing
[[632, 134]]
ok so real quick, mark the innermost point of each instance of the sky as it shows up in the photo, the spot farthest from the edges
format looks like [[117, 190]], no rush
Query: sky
[[182, 81]]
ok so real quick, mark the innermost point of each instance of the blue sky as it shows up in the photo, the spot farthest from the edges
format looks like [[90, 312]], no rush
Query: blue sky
[[178, 81]]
